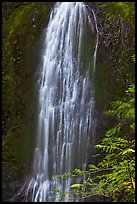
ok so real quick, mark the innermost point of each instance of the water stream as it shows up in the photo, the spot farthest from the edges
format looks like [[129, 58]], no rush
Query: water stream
[[66, 99]]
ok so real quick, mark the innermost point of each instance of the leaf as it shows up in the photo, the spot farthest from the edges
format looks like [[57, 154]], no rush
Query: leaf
[[131, 89], [133, 126], [128, 151], [93, 167], [77, 171], [133, 57], [77, 185], [131, 113], [133, 183]]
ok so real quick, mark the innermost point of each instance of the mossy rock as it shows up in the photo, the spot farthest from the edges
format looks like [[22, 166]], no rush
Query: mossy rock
[[22, 33]]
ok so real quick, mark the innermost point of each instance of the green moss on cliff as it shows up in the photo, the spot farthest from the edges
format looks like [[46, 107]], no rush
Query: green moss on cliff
[[22, 31]]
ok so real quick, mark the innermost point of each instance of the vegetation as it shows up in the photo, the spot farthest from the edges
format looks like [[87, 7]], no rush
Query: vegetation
[[124, 10], [116, 172], [113, 176], [117, 32], [19, 38], [22, 25]]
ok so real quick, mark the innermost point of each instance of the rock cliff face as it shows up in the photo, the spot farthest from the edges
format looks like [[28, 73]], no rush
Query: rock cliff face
[[22, 33]]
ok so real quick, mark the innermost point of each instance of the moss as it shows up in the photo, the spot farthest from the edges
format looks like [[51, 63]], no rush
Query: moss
[[21, 41], [23, 16]]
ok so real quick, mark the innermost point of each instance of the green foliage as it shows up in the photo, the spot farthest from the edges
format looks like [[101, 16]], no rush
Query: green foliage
[[131, 89], [116, 172], [119, 38], [77, 185], [77, 171], [92, 167], [124, 10], [133, 57], [114, 175], [21, 32]]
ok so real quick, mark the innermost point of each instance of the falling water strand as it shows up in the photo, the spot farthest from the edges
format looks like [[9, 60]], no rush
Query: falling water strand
[[66, 102], [97, 36], [96, 46]]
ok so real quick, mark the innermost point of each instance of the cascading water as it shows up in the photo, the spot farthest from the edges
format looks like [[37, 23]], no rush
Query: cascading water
[[66, 100]]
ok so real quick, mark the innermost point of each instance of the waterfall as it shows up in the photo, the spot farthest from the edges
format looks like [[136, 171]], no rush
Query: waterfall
[[66, 100]]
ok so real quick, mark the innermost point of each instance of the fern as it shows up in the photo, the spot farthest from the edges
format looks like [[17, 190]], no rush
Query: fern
[[114, 176]]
